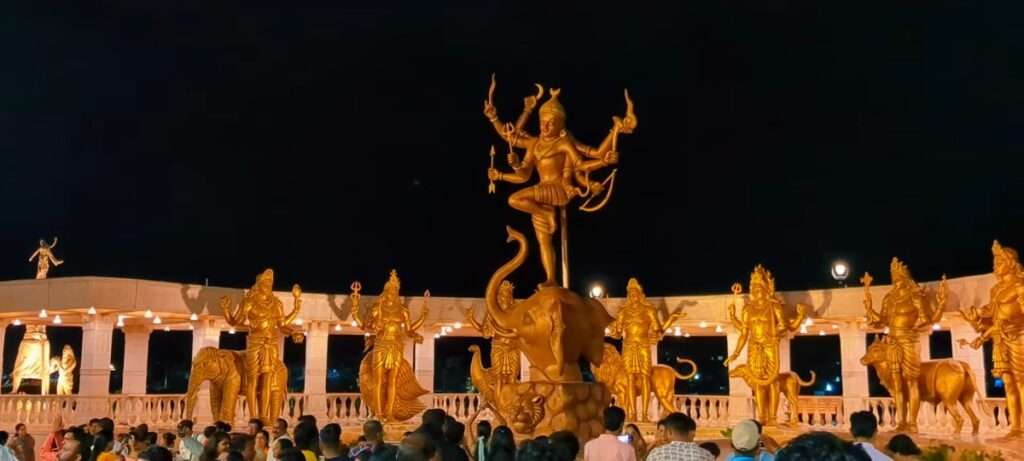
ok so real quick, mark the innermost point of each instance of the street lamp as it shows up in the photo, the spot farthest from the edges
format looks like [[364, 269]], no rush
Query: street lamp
[[840, 271], [596, 291]]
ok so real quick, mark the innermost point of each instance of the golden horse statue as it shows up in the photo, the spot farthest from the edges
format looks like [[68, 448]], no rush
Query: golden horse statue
[[788, 383], [225, 370], [661, 380], [948, 381]]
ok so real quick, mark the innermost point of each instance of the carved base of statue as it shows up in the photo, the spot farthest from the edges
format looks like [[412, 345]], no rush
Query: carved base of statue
[[407, 392], [225, 370], [542, 407]]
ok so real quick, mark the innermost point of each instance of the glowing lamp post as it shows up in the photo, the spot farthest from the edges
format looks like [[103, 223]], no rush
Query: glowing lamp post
[[597, 291], [840, 271]]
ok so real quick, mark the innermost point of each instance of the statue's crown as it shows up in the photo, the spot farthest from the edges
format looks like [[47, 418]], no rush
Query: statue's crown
[[763, 277], [393, 282], [898, 269], [1005, 253], [634, 284], [266, 275], [552, 106]]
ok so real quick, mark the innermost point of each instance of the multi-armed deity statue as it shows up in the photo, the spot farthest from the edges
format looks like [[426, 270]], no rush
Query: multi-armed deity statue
[[906, 313], [386, 379], [554, 328], [639, 327], [263, 314], [762, 325], [1002, 321], [46, 257]]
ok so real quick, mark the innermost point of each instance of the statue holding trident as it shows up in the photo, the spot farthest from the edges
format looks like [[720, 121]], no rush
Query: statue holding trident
[[561, 163]]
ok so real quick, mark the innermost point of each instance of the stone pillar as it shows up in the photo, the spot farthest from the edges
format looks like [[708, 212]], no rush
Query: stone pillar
[[94, 368], [926, 345], [424, 365], [3, 336], [136, 359], [975, 358], [741, 401], [205, 333], [853, 345], [316, 369], [785, 363]]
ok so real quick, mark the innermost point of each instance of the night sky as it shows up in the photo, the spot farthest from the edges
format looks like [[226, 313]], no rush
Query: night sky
[[187, 142]]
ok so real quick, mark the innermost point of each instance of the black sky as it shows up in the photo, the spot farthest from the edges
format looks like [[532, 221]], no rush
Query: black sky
[[184, 142]]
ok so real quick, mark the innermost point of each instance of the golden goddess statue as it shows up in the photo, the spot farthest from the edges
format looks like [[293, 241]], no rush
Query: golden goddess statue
[[1002, 321], [263, 314], [386, 379], [46, 257], [762, 325], [30, 362], [639, 327], [505, 361], [561, 163], [64, 366], [906, 312]]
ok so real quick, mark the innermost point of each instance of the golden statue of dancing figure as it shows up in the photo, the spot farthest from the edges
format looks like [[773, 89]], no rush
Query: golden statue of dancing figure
[[386, 380], [906, 312], [561, 163], [1002, 321], [64, 366], [762, 325], [263, 314], [505, 361], [638, 326], [46, 257]]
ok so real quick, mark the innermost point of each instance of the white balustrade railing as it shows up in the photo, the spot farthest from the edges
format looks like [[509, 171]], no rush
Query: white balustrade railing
[[818, 413], [706, 410], [460, 406], [36, 409], [347, 408]]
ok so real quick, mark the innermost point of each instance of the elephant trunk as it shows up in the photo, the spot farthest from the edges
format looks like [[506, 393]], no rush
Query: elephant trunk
[[503, 319]]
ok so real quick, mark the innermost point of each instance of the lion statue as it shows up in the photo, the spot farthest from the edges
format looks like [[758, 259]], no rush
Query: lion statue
[[225, 370], [612, 372], [787, 383]]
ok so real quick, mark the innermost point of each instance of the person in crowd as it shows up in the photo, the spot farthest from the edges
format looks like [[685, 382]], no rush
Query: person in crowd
[[306, 440], [376, 448], [746, 441], [261, 445], [223, 427], [123, 445], [607, 446], [51, 448], [483, 434], [433, 423], [234, 456], [902, 448], [245, 445], [330, 443], [217, 447], [278, 432], [455, 434], [679, 432], [26, 445], [167, 440], [538, 449], [103, 447], [255, 426], [712, 448], [564, 445], [766, 446], [418, 446], [208, 432], [280, 446], [156, 453], [6, 453], [821, 446], [636, 439], [76, 446], [94, 426], [291, 454], [189, 447], [502, 445], [863, 428]]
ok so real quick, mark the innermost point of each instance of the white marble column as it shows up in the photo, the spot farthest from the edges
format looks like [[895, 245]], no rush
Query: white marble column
[[205, 333], [94, 368], [424, 365], [853, 345], [741, 400], [136, 359], [975, 358], [317, 334], [3, 336], [926, 345], [785, 354]]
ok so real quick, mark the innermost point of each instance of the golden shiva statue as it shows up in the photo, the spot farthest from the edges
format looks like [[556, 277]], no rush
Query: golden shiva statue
[[31, 361], [263, 314], [639, 328], [46, 257], [762, 325], [505, 361], [1002, 321], [64, 366], [561, 163], [386, 379], [906, 312]]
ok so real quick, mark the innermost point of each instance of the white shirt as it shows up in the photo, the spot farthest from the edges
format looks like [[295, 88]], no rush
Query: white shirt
[[873, 452], [680, 451], [6, 454]]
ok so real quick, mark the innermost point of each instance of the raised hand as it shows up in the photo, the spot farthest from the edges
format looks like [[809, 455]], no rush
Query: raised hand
[[296, 291], [490, 111], [493, 174]]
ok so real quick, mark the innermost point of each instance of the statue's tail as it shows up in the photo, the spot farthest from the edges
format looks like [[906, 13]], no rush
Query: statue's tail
[[689, 362], [491, 294], [481, 377], [805, 383]]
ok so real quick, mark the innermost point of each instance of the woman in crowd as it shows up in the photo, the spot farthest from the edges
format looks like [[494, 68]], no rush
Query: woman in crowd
[[103, 447], [262, 445], [502, 446], [217, 447], [54, 443], [636, 439]]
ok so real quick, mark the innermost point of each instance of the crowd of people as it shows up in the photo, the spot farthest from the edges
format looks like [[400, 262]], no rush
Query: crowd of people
[[441, 437]]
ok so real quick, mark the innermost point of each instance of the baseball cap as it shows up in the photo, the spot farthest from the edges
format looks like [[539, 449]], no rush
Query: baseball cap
[[745, 436]]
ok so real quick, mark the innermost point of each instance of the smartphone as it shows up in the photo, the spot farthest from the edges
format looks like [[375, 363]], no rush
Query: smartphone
[[625, 439]]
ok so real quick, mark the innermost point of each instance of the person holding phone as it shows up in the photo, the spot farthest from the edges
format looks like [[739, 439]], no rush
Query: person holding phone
[[608, 446]]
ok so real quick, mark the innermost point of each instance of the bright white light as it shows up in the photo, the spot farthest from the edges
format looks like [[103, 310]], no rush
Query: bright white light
[[686, 335], [458, 325], [936, 327], [596, 290], [703, 324], [157, 321], [231, 331], [840, 270], [803, 329], [835, 327], [337, 327], [120, 321], [112, 367], [809, 321], [148, 314], [193, 317], [42, 313], [57, 320], [821, 333], [886, 330], [367, 334], [607, 331], [167, 328], [298, 321], [828, 387], [354, 324], [190, 327], [436, 336], [17, 322], [718, 329], [92, 310], [677, 331], [696, 377]]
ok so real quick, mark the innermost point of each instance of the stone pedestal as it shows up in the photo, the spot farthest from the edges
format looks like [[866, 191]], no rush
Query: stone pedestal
[[542, 407]]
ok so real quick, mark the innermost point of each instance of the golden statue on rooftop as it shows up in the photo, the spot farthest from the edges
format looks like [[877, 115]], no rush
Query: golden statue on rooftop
[[46, 257], [762, 325], [638, 326], [906, 312], [386, 379], [263, 314], [1002, 321]]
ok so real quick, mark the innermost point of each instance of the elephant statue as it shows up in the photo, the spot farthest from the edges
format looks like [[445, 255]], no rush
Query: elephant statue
[[225, 370], [554, 327]]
